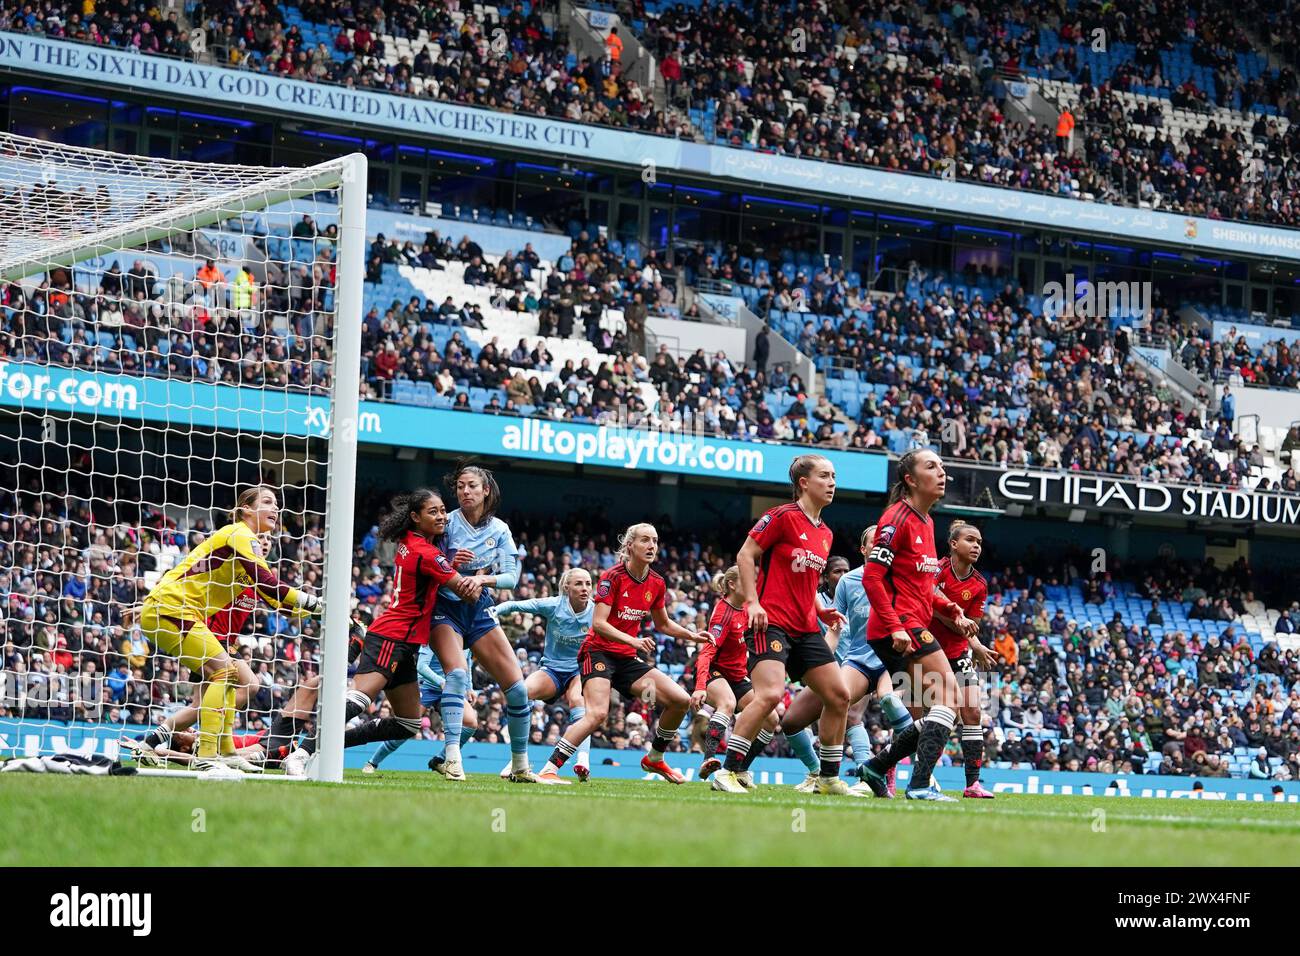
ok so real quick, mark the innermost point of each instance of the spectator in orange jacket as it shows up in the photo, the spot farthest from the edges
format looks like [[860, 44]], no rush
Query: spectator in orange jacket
[[1005, 645], [1064, 130], [614, 46], [209, 274]]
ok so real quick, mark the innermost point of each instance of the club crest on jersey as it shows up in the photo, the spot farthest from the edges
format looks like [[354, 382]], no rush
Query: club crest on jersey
[[649, 595], [600, 665], [927, 637], [776, 646], [885, 535], [965, 594]]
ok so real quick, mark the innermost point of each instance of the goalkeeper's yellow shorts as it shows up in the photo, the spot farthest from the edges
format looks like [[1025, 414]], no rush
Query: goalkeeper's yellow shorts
[[190, 641]]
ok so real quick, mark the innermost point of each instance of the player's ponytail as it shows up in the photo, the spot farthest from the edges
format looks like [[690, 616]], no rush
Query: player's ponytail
[[394, 525], [802, 467], [955, 529], [631, 534], [491, 490], [906, 469], [725, 581], [247, 501]]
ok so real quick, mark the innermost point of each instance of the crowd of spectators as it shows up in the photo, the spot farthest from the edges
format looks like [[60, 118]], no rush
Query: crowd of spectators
[[263, 320], [994, 382], [1000, 383], [1122, 700], [880, 83], [1274, 364], [1116, 694]]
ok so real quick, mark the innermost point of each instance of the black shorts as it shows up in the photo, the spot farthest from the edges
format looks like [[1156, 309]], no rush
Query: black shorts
[[621, 672], [964, 669], [923, 642], [800, 653], [738, 687], [394, 659]]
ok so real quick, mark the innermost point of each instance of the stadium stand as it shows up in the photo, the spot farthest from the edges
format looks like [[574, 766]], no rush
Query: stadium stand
[[969, 364], [1188, 113]]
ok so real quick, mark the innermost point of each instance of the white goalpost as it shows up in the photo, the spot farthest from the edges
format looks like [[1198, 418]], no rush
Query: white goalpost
[[171, 333]]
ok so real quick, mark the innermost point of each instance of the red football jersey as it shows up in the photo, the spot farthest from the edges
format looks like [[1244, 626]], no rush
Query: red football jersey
[[420, 570], [728, 653], [901, 571], [794, 555], [228, 623], [969, 594], [630, 602]]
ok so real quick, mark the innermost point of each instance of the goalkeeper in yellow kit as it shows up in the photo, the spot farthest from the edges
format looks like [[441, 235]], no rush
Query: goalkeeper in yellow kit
[[174, 614]]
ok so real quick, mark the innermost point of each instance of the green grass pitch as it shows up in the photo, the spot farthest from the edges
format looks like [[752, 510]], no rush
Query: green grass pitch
[[419, 819]]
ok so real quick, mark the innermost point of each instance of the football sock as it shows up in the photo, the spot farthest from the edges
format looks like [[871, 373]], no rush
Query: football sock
[[895, 713], [802, 745], [226, 743], [737, 749], [517, 720], [903, 745], [452, 708], [382, 728], [357, 704], [935, 731], [212, 712], [858, 738], [972, 752], [584, 748], [562, 752], [714, 732], [384, 751], [830, 756], [664, 738], [760, 744]]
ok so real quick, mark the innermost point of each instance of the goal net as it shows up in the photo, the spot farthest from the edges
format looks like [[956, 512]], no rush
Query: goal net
[[171, 334]]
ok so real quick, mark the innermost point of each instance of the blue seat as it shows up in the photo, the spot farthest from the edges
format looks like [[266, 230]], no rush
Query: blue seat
[[404, 391]]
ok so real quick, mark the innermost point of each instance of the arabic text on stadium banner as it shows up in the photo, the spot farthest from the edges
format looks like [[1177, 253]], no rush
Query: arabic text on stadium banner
[[101, 67], [225, 407], [31, 738]]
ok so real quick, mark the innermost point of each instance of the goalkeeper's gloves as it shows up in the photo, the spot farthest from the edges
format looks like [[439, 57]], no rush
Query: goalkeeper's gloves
[[308, 604], [356, 641]]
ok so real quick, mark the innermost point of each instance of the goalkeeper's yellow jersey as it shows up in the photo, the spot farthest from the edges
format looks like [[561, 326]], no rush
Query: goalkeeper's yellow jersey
[[214, 574]]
